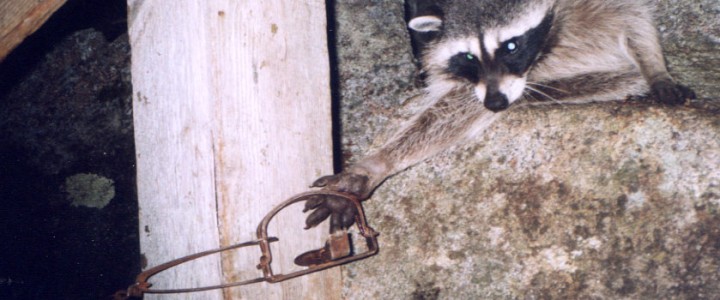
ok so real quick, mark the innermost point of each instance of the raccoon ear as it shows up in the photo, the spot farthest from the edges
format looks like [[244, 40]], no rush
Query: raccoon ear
[[425, 23]]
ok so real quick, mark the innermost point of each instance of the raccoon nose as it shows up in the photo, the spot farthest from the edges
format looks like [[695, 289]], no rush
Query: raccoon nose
[[496, 102]]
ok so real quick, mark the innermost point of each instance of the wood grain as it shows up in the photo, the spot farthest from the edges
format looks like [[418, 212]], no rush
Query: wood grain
[[20, 18], [232, 116]]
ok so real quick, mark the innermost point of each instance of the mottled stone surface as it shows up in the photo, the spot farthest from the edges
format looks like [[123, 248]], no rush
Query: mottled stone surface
[[74, 106], [612, 201], [623, 205], [690, 31], [374, 68], [67, 173]]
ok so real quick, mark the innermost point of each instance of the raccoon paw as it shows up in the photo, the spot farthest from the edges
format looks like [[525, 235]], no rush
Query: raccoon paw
[[671, 93], [345, 182], [341, 211]]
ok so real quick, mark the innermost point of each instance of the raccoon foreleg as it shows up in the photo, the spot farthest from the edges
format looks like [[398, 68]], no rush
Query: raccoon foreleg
[[450, 119], [644, 46], [592, 87]]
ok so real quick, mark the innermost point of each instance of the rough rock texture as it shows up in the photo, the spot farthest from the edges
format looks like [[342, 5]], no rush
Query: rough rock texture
[[691, 38], [375, 70], [65, 138], [612, 201], [624, 205]]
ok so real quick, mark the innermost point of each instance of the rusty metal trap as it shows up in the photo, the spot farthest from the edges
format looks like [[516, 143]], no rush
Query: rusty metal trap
[[338, 250]]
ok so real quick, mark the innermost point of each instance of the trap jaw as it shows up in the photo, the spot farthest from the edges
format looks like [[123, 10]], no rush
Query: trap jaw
[[337, 251], [338, 245]]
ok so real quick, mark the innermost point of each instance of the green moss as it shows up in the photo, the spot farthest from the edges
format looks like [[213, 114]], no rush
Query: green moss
[[89, 190]]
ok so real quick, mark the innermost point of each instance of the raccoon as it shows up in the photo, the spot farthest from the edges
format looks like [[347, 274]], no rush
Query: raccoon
[[479, 57]]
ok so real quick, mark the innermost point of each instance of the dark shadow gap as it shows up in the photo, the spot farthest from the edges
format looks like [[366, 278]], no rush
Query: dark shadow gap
[[336, 96]]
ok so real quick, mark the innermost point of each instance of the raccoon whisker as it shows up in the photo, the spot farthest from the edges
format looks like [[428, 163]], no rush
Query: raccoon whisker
[[547, 86], [533, 86], [529, 96], [544, 94], [533, 100]]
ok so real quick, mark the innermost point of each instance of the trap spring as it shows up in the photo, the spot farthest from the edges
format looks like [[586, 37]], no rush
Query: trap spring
[[337, 251]]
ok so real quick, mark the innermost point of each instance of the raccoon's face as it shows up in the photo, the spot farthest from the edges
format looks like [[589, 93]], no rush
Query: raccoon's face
[[495, 56]]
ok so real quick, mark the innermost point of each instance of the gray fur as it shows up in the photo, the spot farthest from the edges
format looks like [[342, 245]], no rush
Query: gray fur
[[595, 50]]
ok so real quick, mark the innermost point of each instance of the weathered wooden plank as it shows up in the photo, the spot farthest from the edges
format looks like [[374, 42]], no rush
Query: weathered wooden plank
[[232, 116], [20, 18]]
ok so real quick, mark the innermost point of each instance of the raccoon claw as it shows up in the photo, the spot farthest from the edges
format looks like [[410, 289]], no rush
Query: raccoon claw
[[316, 217], [344, 182], [325, 181], [341, 212], [671, 93]]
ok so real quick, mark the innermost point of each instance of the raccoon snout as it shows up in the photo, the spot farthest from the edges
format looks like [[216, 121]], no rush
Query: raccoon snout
[[496, 102]]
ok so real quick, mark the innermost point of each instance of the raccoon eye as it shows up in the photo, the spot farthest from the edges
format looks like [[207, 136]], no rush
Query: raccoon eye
[[465, 65], [511, 46]]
